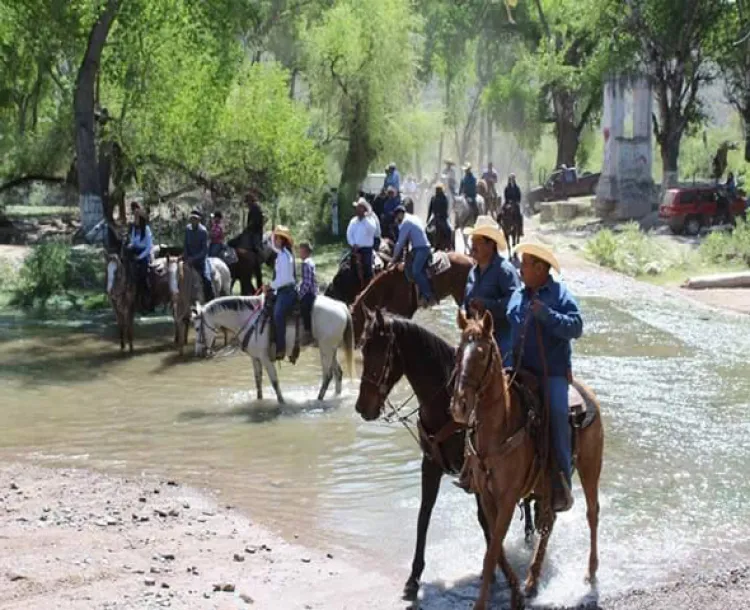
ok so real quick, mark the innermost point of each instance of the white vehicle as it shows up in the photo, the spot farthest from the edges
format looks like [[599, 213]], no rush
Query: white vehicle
[[373, 183]]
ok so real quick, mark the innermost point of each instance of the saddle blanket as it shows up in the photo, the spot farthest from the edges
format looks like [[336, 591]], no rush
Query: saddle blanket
[[440, 263]]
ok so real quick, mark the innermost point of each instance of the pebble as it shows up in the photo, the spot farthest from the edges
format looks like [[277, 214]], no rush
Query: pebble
[[305, 560], [149, 582], [238, 557], [13, 577], [226, 587], [246, 598], [13, 486], [168, 556]]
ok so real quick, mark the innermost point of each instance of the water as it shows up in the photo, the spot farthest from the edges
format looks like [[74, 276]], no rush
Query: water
[[672, 379]]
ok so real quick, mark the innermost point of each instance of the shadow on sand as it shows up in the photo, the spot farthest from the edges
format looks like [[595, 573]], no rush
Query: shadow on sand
[[263, 411]]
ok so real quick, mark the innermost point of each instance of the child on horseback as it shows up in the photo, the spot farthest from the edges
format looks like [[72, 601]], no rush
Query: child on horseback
[[139, 248], [308, 290]]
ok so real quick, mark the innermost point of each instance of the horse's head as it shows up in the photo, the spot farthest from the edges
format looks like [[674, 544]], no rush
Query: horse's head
[[205, 333], [381, 365], [473, 361], [173, 275], [267, 253]]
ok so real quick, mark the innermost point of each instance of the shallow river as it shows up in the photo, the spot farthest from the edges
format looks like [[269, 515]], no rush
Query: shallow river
[[673, 380]]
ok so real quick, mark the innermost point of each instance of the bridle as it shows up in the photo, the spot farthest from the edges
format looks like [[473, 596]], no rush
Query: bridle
[[478, 382], [379, 383], [202, 332]]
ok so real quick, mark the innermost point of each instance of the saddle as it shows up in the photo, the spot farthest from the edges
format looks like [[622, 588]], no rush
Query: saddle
[[438, 264]]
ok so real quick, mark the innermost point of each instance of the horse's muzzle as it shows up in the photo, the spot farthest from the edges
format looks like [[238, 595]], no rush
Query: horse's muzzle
[[461, 406]]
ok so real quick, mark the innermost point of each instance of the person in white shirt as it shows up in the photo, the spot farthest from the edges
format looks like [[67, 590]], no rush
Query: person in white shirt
[[284, 285], [363, 230]]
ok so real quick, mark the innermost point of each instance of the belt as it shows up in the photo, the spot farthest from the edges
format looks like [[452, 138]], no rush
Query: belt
[[285, 287]]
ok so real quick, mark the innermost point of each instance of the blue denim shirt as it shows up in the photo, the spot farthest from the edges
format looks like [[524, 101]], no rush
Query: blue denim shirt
[[560, 322], [196, 243], [494, 289], [393, 179], [469, 186], [411, 230]]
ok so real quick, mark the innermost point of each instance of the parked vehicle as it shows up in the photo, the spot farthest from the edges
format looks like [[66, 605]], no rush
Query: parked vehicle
[[555, 188], [373, 184], [688, 209]]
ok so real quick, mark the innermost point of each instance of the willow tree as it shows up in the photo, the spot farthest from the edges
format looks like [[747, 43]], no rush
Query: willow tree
[[361, 64]]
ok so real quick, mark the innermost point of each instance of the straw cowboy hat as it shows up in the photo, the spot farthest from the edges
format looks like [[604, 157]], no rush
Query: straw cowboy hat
[[364, 203], [282, 231], [448, 162], [467, 167], [487, 227], [543, 253], [440, 186]]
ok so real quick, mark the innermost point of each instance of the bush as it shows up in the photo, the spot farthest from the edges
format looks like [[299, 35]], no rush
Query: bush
[[733, 246], [45, 272], [631, 251]]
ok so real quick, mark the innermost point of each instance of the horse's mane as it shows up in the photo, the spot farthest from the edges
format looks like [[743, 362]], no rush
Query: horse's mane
[[427, 347], [375, 284], [232, 304]]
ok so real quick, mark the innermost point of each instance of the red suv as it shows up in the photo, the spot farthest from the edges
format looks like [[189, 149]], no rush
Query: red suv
[[688, 209]]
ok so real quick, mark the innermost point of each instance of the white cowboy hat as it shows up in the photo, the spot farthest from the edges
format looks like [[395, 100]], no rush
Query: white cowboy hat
[[467, 167], [487, 227], [284, 232], [541, 252], [364, 203]]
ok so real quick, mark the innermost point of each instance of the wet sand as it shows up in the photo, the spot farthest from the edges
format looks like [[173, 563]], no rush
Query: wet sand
[[73, 539]]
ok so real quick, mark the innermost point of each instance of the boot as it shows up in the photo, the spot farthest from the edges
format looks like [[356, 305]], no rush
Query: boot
[[464, 478], [562, 498]]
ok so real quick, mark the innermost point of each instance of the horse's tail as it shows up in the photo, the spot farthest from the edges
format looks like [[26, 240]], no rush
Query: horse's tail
[[349, 344]]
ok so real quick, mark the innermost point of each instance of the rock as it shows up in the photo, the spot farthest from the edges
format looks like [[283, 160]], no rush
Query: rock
[[149, 582], [142, 499], [172, 483], [652, 268], [168, 556], [174, 512], [160, 513], [329, 555], [238, 557], [14, 577], [305, 560], [207, 595], [155, 570], [186, 505], [226, 587], [164, 585], [246, 598], [13, 486]]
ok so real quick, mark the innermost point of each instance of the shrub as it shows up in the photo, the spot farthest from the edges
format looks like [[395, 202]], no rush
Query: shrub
[[630, 251], [45, 272], [733, 246]]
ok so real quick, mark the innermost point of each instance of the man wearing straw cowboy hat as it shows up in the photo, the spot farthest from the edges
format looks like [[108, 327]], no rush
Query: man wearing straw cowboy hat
[[545, 318], [363, 230], [196, 252], [490, 285], [449, 176]]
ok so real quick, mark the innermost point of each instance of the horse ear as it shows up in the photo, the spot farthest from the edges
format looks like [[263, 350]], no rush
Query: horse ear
[[461, 320], [488, 326]]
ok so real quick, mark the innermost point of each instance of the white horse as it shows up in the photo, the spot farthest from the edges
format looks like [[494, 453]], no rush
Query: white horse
[[331, 328], [463, 214], [186, 289]]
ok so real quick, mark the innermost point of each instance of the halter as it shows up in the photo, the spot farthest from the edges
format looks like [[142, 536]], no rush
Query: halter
[[202, 332], [379, 383]]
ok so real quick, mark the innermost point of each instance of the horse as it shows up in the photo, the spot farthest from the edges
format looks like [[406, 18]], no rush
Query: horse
[[464, 214], [505, 464], [331, 328], [348, 281], [510, 221], [122, 290], [391, 349], [249, 264], [393, 291], [489, 195], [186, 289]]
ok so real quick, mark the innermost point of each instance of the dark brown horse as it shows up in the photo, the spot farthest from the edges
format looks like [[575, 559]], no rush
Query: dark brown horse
[[505, 463], [393, 348], [349, 280], [510, 221], [392, 290]]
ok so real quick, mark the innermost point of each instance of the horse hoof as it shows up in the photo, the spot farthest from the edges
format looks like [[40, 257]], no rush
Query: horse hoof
[[590, 580], [411, 589]]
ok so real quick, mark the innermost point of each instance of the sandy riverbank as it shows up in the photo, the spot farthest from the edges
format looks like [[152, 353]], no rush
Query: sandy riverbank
[[74, 539]]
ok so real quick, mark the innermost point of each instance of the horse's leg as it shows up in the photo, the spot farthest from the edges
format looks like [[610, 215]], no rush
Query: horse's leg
[[273, 376], [589, 464], [431, 475], [326, 366], [528, 521], [495, 555], [258, 372], [338, 375], [535, 569], [131, 325], [486, 515]]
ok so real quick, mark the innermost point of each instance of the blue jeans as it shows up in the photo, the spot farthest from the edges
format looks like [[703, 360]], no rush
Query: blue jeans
[[559, 427], [365, 255], [285, 298], [418, 270], [306, 305]]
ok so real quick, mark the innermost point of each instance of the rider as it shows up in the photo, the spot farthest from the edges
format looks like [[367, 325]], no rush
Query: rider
[[450, 176], [196, 252], [513, 196], [217, 235], [490, 179], [468, 187], [308, 290], [545, 306], [411, 230], [439, 210], [139, 248], [255, 221], [390, 228], [361, 234], [392, 177], [284, 286]]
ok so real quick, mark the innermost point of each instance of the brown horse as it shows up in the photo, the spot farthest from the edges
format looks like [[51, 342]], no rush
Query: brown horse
[[505, 463], [510, 221], [393, 348], [392, 291]]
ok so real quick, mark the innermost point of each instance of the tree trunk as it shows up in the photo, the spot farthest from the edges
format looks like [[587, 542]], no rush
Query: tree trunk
[[566, 130], [440, 153], [482, 140], [90, 194], [746, 122], [669, 145], [490, 147], [359, 155]]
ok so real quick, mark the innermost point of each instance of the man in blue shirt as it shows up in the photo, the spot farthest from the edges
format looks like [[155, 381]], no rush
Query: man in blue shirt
[[491, 281], [392, 178], [544, 319], [411, 230], [468, 184], [196, 252], [389, 225]]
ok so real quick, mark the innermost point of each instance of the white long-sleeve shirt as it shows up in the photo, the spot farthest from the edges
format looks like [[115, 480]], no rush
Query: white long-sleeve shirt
[[284, 269], [362, 231]]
